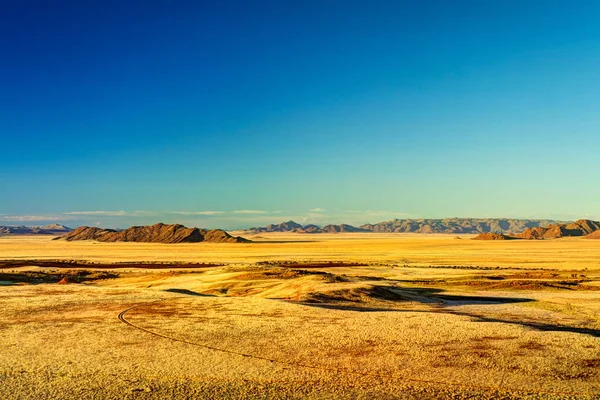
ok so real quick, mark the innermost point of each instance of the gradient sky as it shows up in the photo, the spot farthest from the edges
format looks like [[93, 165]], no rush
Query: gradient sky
[[240, 113]]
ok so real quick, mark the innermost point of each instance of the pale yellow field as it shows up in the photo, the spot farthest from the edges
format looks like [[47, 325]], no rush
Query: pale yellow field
[[400, 249], [423, 317]]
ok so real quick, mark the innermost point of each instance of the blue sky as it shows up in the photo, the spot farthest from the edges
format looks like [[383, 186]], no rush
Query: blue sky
[[234, 114]]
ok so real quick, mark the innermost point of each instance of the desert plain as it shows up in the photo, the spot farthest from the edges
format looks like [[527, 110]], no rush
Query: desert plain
[[300, 316]]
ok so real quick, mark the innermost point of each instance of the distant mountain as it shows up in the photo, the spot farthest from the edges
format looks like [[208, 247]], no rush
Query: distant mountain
[[457, 225], [158, 233], [52, 229], [582, 227], [447, 225], [291, 226], [310, 228], [342, 228]]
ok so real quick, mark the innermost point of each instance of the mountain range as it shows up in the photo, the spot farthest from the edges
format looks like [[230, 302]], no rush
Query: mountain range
[[52, 229], [447, 225], [291, 226]]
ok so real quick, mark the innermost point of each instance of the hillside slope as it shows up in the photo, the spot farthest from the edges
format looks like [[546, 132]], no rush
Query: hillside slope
[[158, 233], [582, 227]]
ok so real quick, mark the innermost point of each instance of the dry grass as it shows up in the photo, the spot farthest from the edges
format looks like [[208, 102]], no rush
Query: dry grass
[[397, 249], [247, 330]]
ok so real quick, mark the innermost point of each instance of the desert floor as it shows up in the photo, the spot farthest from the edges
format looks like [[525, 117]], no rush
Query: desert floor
[[300, 316]]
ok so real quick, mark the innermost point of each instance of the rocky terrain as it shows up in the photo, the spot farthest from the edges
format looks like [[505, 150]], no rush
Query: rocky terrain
[[582, 227], [52, 229], [493, 236], [158, 233]]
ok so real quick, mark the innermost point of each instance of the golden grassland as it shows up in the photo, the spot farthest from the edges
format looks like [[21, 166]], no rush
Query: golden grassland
[[400, 249], [421, 316]]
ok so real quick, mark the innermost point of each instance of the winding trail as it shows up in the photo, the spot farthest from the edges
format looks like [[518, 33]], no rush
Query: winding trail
[[494, 388]]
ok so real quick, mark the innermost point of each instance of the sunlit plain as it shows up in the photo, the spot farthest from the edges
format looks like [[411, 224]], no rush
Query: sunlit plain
[[421, 316]]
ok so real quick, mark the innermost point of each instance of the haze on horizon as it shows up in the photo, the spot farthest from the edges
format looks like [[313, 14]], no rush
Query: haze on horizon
[[235, 115]]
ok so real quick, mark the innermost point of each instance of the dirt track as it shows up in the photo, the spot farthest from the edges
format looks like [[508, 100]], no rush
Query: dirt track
[[499, 390]]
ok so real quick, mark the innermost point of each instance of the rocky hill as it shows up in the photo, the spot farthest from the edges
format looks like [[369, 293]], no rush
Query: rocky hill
[[593, 235], [493, 236], [582, 227], [158, 233], [457, 225], [52, 229]]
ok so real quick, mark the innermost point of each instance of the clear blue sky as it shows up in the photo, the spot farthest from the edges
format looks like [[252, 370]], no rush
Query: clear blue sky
[[239, 113]]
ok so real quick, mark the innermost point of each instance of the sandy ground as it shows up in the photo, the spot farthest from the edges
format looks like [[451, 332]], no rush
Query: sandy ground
[[392, 328]]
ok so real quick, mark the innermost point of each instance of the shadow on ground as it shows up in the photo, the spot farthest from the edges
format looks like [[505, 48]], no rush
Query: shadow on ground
[[282, 241], [392, 294], [539, 326], [391, 299], [187, 292]]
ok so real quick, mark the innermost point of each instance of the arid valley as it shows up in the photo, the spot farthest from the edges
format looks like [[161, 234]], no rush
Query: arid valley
[[348, 315]]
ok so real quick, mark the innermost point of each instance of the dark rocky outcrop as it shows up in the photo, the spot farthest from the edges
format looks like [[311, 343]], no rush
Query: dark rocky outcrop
[[158, 233], [87, 233], [493, 236], [582, 227]]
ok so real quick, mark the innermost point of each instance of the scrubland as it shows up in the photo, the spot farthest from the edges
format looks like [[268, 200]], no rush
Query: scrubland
[[301, 316]]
